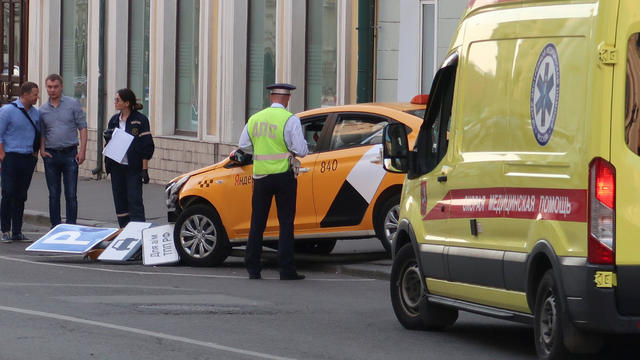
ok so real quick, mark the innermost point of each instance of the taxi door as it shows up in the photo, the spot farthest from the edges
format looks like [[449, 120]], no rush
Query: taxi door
[[305, 206], [347, 175]]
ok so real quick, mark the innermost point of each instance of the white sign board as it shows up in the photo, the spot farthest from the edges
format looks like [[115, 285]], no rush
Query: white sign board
[[125, 245], [73, 239], [158, 247], [117, 147]]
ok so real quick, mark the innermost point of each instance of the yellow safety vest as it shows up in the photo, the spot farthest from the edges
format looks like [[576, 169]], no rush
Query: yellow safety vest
[[266, 130]]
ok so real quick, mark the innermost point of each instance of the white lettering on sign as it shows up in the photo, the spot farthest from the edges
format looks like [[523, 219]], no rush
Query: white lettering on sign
[[555, 205], [509, 203], [66, 238], [474, 203]]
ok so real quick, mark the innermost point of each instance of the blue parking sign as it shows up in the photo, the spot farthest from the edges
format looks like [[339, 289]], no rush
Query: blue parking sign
[[73, 239]]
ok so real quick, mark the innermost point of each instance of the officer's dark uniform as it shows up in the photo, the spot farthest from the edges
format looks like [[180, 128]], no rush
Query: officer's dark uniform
[[126, 180], [272, 177]]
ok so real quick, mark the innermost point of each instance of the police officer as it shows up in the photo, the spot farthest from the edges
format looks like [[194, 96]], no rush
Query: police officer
[[274, 135], [128, 175]]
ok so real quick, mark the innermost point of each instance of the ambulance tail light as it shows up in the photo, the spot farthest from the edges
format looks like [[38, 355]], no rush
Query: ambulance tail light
[[602, 212]]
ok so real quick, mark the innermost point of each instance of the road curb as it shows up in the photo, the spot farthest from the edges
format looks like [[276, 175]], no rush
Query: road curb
[[36, 218], [40, 218]]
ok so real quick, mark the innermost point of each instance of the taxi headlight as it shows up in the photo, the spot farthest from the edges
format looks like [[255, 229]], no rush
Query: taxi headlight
[[172, 190]]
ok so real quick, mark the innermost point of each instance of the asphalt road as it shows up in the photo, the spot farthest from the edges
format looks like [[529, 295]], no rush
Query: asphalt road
[[64, 307]]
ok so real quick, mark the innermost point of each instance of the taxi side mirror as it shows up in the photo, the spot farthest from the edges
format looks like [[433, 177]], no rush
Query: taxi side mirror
[[239, 157], [395, 148]]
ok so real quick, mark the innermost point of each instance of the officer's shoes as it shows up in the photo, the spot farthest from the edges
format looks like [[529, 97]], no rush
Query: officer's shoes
[[294, 276], [20, 237], [255, 276]]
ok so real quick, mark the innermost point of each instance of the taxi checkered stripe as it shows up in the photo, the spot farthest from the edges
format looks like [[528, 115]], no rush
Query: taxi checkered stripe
[[205, 183]]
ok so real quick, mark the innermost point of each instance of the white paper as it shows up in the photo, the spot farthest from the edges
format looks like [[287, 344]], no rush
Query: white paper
[[126, 244], [158, 247], [117, 147]]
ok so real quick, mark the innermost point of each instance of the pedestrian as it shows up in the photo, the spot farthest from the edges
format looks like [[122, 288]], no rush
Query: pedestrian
[[128, 176], [19, 145], [274, 135], [61, 120]]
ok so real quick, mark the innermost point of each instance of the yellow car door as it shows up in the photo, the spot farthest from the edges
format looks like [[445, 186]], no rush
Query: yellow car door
[[305, 205], [347, 175]]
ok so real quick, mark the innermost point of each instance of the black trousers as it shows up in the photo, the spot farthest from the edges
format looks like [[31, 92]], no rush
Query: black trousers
[[284, 187], [17, 171], [126, 186]]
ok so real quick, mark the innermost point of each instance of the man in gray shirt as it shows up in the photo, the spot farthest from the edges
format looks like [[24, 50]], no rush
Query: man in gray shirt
[[61, 120]]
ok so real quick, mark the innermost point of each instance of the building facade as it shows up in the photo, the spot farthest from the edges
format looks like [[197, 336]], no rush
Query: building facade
[[199, 67]]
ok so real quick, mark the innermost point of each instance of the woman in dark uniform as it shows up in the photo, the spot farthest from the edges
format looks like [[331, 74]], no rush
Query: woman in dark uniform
[[127, 177]]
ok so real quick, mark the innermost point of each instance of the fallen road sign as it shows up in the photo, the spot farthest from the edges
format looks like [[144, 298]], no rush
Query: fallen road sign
[[126, 244], [158, 247], [73, 239]]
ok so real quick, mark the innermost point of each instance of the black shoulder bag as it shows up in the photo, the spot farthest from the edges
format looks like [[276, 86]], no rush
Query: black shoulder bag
[[36, 140]]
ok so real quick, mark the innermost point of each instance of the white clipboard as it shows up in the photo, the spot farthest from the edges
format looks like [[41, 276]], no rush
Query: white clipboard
[[117, 148]]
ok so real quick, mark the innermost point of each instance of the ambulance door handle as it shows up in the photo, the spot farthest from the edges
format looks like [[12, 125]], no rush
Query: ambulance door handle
[[445, 171], [304, 170]]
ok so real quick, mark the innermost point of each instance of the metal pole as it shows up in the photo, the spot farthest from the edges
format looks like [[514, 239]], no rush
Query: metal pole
[[366, 27], [98, 169]]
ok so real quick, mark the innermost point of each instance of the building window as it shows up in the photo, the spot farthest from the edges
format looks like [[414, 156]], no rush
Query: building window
[[187, 67], [261, 53], [139, 51], [321, 78], [428, 66], [74, 49]]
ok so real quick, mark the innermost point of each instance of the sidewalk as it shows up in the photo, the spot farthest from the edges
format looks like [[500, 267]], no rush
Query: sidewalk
[[95, 203], [95, 208]]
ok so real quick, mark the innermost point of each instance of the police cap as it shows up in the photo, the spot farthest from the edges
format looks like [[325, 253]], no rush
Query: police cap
[[281, 89]]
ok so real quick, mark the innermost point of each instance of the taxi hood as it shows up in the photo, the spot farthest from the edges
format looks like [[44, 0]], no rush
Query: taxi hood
[[201, 170]]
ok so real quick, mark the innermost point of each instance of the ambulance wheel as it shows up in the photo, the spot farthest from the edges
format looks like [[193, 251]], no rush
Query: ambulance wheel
[[408, 299], [386, 221], [554, 334], [316, 247], [200, 237]]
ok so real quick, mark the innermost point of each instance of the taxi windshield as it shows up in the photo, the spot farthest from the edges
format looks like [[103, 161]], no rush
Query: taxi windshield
[[419, 112]]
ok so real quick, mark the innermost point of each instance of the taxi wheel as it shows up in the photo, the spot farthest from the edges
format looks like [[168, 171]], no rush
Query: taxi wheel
[[386, 221], [408, 296], [200, 237], [317, 247]]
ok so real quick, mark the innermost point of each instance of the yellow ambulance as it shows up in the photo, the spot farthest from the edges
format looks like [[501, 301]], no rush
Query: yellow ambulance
[[522, 194]]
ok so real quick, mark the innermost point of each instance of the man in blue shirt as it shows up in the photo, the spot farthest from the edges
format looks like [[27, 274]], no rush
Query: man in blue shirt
[[61, 119], [19, 126]]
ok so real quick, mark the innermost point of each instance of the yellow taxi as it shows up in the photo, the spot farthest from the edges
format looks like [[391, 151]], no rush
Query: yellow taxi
[[343, 191]]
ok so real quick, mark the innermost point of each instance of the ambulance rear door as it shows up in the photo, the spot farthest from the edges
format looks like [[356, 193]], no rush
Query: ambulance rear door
[[625, 156]]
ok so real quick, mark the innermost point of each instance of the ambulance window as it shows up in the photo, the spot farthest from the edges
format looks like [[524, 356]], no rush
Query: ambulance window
[[357, 130], [312, 129], [632, 109], [433, 140]]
